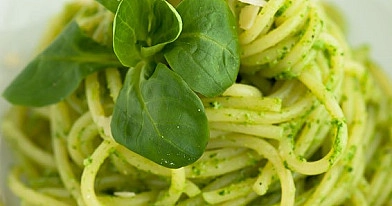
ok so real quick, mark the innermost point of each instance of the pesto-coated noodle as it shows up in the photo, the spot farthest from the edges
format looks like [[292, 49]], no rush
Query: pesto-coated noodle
[[308, 122]]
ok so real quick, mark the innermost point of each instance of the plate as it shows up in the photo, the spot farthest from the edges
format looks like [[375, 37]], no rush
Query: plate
[[22, 23]]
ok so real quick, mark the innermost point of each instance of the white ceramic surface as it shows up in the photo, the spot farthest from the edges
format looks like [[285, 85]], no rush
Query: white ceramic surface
[[23, 21]]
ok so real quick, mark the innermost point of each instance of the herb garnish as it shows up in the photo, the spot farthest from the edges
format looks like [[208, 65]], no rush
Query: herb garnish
[[159, 116], [58, 70], [172, 54]]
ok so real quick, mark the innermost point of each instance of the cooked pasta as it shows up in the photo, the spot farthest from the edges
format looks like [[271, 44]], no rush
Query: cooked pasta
[[308, 122]]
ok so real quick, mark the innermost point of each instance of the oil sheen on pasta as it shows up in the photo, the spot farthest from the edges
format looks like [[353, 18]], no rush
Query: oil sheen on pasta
[[307, 123]]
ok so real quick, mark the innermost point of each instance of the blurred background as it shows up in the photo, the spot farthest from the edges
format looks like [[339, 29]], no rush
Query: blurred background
[[22, 22]]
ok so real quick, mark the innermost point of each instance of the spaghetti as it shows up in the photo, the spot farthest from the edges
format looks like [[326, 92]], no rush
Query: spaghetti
[[307, 123]]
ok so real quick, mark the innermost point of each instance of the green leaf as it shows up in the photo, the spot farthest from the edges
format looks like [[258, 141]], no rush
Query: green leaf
[[206, 54], [111, 5], [159, 117], [58, 70], [142, 28]]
